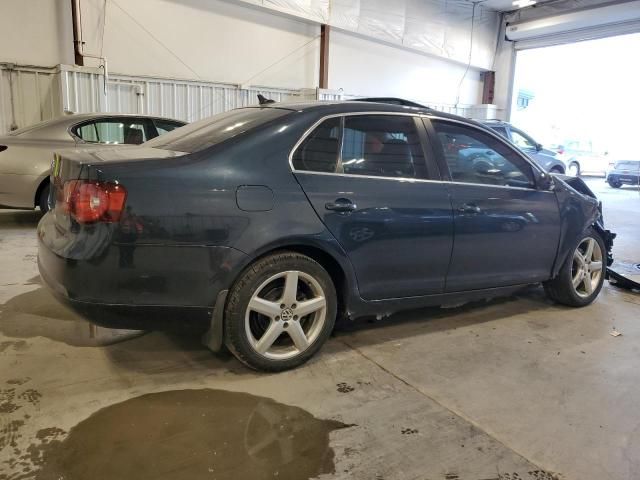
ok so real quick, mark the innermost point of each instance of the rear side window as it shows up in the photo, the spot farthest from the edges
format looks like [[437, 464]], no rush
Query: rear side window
[[382, 146], [113, 131], [166, 126], [319, 150], [372, 145], [210, 131], [476, 157]]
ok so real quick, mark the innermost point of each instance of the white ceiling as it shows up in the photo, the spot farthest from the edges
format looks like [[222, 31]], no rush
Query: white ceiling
[[502, 5]]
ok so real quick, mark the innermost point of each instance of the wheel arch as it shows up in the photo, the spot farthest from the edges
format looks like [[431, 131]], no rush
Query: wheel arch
[[41, 186], [340, 273]]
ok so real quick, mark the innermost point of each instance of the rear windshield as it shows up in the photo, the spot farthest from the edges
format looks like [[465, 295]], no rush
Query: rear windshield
[[213, 130], [629, 164]]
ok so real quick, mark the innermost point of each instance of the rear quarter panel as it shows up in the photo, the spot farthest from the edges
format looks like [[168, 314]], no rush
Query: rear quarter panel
[[23, 167], [189, 204]]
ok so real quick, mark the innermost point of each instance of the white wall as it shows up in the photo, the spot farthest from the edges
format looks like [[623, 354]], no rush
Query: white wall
[[364, 67], [207, 39], [36, 32]]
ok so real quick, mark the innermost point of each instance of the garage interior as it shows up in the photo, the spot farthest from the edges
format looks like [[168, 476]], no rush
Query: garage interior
[[511, 388]]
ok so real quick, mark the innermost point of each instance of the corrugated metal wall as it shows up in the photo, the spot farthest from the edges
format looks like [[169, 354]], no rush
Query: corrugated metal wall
[[28, 95], [32, 94], [183, 99]]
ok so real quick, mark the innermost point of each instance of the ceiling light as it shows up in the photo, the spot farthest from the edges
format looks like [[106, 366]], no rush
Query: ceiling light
[[524, 3]]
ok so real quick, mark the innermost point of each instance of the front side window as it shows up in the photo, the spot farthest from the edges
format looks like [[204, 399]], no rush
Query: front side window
[[113, 131], [382, 146], [475, 157]]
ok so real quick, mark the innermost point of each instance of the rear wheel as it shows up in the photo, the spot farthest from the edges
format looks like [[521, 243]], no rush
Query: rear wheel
[[280, 312], [556, 170], [581, 277], [43, 198], [614, 183]]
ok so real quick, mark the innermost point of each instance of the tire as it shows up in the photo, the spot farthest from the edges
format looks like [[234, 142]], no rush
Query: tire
[[557, 170], [573, 169], [263, 339], [614, 184], [563, 288], [43, 198]]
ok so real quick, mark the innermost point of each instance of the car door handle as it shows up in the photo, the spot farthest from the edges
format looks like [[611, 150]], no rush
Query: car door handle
[[341, 205], [469, 208]]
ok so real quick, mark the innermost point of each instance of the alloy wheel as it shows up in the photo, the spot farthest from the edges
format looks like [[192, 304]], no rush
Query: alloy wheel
[[586, 271], [285, 315]]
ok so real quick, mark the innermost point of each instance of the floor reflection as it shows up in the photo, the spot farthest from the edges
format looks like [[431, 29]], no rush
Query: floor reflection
[[190, 434]]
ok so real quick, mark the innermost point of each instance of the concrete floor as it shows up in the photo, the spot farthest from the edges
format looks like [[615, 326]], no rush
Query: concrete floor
[[516, 388]]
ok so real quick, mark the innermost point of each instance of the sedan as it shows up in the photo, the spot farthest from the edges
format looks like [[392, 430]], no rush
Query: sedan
[[270, 222], [26, 154]]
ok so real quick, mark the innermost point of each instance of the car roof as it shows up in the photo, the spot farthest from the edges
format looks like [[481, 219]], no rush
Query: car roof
[[57, 127], [347, 106]]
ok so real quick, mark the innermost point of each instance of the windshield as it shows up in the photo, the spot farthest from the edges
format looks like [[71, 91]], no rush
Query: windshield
[[213, 130]]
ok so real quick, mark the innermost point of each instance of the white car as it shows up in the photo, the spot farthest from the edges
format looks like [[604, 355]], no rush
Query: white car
[[26, 154]]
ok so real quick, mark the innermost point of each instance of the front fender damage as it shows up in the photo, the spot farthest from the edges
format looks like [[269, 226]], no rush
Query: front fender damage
[[579, 210]]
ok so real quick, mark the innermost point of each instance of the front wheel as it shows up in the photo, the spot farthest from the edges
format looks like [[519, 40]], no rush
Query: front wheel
[[581, 277], [280, 312]]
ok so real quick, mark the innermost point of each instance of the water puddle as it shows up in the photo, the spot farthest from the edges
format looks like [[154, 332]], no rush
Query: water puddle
[[38, 313], [188, 434]]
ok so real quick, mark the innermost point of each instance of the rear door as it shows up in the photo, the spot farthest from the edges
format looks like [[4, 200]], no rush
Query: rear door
[[506, 230], [368, 180]]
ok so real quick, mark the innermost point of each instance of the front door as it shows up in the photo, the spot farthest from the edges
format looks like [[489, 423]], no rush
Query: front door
[[367, 180], [506, 230]]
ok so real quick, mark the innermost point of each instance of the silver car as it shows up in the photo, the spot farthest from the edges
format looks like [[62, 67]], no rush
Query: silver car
[[26, 154]]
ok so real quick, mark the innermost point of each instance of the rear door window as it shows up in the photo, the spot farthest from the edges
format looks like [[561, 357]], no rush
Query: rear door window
[[382, 146]]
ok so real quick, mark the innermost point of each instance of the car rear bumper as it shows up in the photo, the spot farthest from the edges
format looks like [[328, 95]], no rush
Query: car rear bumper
[[135, 286], [624, 178], [128, 316]]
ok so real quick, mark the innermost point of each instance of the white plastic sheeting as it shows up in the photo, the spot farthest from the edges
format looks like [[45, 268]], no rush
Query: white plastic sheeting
[[437, 27]]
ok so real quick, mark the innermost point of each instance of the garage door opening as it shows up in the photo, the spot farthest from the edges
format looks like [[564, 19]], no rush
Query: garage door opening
[[581, 100]]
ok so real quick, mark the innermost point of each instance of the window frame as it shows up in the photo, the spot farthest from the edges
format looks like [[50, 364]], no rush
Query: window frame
[[146, 122], [444, 167], [428, 154]]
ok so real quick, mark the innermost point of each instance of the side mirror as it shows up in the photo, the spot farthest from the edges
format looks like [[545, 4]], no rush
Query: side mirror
[[544, 181], [538, 147]]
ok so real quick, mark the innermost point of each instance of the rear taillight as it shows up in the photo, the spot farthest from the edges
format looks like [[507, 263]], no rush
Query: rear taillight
[[92, 201]]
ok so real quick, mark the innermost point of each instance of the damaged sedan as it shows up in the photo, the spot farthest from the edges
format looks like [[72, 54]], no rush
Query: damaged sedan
[[270, 222]]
